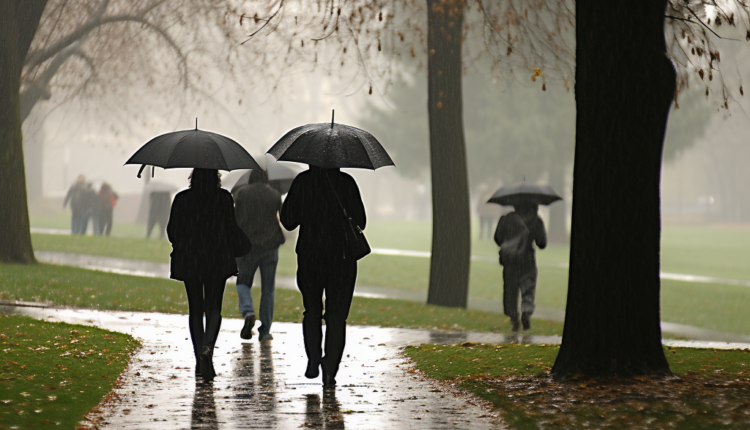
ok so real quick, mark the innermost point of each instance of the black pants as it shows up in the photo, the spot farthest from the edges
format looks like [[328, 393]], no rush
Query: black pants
[[336, 276], [105, 221], [519, 279], [204, 295]]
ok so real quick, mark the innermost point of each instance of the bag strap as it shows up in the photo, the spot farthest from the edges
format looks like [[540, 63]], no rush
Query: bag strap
[[340, 205]]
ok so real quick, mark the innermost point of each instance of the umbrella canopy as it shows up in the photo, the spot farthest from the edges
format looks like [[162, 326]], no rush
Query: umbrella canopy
[[523, 192], [280, 177], [193, 149], [331, 145]]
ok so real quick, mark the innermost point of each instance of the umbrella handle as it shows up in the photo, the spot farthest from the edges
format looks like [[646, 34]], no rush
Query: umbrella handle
[[143, 166], [333, 111]]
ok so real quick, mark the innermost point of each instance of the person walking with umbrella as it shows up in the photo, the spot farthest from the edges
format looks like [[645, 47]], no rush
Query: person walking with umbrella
[[257, 207], [516, 234], [326, 205], [202, 227]]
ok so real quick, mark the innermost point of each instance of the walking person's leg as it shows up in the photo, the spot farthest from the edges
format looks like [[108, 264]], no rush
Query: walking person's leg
[[214, 293], [194, 290], [528, 295], [150, 223], [246, 266], [108, 220], [96, 223], [268, 263], [339, 293], [510, 295], [309, 283], [163, 220]]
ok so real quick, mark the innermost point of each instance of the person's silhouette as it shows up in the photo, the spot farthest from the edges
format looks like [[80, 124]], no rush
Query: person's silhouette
[[516, 234], [205, 238], [314, 204]]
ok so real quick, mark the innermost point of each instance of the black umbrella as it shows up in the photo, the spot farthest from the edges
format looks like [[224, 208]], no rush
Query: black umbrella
[[520, 193], [280, 177], [331, 145], [193, 149]]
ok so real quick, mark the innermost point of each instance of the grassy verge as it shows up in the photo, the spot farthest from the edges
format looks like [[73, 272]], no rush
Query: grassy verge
[[69, 286], [710, 388], [52, 374], [713, 306]]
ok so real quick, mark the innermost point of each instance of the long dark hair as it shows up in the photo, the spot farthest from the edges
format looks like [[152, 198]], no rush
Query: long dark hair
[[204, 179]]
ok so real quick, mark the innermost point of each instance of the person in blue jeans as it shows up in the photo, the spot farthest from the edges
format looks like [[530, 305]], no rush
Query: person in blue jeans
[[257, 208]]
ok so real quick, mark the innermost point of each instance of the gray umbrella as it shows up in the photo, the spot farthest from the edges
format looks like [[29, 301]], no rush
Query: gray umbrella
[[520, 193], [193, 149], [280, 177], [331, 145]]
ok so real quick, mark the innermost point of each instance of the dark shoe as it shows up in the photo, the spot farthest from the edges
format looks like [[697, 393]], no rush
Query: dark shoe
[[197, 366], [516, 324], [312, 369], [329, 382], [207, 365], [266, 338], [247, 330], [526, 320]]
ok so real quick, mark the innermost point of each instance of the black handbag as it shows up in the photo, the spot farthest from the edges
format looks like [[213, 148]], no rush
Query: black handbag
[[356, 242]]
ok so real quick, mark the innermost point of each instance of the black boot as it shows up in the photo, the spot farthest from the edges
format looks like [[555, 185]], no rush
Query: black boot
[[329, 378], [526, 320], [312, 369], [207, 365], [516, 324]]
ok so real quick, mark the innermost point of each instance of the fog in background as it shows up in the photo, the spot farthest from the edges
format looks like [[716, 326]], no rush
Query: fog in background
[[515, 131]]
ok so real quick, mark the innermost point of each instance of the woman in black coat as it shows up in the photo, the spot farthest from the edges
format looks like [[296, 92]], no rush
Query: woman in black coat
[[205, 238]]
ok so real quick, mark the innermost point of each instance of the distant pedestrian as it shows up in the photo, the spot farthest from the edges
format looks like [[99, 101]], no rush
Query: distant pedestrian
[[107, 201], [77, 205], [205, 240], [324, 263], [158, 212], [257, 207], [516, 234], [91, 209]]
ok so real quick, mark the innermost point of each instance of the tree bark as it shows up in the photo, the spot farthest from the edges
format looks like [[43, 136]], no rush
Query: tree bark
[[451, 232], [624, 89], [558, 226], [18, 22]]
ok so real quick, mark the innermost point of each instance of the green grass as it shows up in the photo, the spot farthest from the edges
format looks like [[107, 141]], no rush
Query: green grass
[[52, 374], [69, 286], [710, 391], [62, 221], [721, 252]]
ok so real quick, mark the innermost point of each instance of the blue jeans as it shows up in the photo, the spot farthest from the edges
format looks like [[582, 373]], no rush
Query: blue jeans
[[247, 265]]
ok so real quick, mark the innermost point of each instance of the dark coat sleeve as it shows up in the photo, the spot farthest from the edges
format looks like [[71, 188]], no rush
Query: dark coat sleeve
[[291, 213], [500, 231], [355, 207], [539, 233]]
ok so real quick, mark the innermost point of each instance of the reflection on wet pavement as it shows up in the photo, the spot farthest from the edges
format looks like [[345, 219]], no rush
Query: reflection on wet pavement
[[263, 386]]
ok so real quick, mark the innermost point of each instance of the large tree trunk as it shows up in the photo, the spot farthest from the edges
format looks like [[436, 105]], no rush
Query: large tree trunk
[[624, 89], [18, 22], [558, 225], [451, 232]]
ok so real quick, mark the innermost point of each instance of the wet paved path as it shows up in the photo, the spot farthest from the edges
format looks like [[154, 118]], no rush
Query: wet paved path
[[161, 270], [262, 386]]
